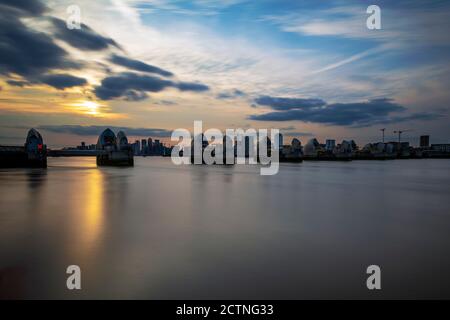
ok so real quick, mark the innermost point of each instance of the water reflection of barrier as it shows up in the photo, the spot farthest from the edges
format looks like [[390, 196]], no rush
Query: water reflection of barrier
[[32, 154]]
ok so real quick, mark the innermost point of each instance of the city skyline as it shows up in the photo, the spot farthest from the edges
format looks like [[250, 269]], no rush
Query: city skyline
[[384, 139], [308, 69], [89, 138]]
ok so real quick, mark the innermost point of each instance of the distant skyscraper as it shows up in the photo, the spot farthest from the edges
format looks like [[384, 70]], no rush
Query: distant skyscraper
[[150, 146], [424, 141], [157, 147], [280, 141], [144, 146], [278, 138], [137, 147], [330, 144]]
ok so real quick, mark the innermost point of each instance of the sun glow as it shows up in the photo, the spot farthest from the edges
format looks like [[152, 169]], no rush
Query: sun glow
[[92, 107]]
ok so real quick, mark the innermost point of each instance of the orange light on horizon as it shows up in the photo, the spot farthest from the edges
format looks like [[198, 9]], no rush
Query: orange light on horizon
[[89, 107], [93, 108]]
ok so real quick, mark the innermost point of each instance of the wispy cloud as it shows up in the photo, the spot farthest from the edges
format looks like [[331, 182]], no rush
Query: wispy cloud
[[406, 25], [192, 8], [351, 59]]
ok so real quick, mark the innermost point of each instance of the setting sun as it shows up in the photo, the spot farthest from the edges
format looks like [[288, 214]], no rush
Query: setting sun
[[92, 107]]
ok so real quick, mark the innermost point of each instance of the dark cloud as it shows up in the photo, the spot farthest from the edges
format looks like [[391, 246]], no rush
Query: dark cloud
[[26, 7], [278, 103], [35, 57], [26, 52], [166, 102], [138, 65], [97, 130], [230, 94], [359, 114], [191, 86], [132, 95], [424, 116], [17, 83], [62, 81], [123, 84], [119, 85], [58, 81], [84, 38]]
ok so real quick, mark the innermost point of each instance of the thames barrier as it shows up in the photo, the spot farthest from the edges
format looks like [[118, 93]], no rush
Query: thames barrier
[[111, 150], [33, 154], [114, 151]]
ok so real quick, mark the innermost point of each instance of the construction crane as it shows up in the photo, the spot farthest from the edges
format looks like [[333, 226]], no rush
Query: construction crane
[[382, 130], [400, 134]]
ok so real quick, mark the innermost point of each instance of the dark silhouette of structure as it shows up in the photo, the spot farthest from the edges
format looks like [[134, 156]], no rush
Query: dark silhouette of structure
[[424, 141], [114, 151], [32, 154]]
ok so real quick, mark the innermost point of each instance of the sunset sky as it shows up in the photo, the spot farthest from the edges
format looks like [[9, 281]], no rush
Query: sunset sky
[[309, 68]]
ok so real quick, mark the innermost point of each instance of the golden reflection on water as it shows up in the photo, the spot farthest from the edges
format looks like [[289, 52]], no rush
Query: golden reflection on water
[[88, 203], [93, 206]]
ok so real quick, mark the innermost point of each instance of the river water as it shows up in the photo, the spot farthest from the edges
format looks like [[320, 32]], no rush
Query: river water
[[160, 231]]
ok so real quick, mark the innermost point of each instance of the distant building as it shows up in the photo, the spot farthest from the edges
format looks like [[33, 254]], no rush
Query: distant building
[[424, 141], [378, 150], [144, 146], [157, 147], [345, 147], [82, 146], [402, 149], [280, 141], [292, 152], [137, 148], [330, 144], [443, 147], [296, 144], [312, 148], [150, 146]]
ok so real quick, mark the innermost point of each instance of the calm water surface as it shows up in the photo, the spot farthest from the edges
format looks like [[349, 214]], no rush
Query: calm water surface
[[162, 231]]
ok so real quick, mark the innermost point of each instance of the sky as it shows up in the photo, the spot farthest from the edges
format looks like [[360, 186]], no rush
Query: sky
[[308, 68]]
